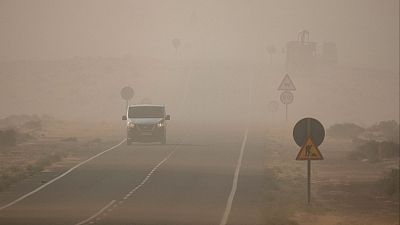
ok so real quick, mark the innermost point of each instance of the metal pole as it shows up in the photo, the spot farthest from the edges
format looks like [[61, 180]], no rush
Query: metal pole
[[127, 105], [308, 166], [308, 181], [286, 111]]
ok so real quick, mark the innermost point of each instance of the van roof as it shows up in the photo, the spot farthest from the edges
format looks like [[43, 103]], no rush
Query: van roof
[[138, 105]]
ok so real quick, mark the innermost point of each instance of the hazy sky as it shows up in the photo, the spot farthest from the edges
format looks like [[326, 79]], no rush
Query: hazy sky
[[366, 31]]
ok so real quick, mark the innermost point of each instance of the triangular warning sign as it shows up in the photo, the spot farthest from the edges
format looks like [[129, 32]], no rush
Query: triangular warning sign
[[309, 151], [287, 84]]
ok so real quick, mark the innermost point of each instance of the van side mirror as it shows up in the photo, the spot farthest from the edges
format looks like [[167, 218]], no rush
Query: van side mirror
[[124, 117], [167, 117]]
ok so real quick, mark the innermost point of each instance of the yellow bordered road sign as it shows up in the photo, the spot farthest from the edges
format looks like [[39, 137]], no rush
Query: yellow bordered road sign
[[309, 151]]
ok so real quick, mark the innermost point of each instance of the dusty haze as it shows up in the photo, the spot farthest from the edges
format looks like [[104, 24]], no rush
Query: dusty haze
[[69, 59]]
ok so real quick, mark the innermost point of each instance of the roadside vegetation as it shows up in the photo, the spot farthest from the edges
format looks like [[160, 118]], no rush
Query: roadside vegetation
[[361, 163], [345, 130], [390, 183], [8, 138], [282, 196], [32, 144], [372, 144], [378, 143], [284, 183], [16, 173], [374, 151]]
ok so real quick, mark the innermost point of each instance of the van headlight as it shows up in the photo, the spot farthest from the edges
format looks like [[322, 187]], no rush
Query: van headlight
[[161, 124], [131, 125]]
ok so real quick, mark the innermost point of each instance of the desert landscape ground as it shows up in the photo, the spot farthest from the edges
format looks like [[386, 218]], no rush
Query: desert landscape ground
[[234, 78]]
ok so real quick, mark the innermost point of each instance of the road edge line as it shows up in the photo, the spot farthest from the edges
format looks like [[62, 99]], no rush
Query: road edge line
[[228, 207], [59, 177]]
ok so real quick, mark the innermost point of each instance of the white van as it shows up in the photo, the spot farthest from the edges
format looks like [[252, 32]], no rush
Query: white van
[[146, 123]]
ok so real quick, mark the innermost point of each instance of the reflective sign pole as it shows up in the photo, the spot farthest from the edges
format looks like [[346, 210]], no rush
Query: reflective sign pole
[[286, 111], [308, 181], [308, 166], [287, 98], [127, 93], [309, 133]]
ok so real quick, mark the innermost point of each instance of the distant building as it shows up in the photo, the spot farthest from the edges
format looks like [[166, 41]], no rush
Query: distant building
[[302, 54]]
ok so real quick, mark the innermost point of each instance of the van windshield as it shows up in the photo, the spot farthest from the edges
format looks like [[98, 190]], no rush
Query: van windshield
[[146, 112]]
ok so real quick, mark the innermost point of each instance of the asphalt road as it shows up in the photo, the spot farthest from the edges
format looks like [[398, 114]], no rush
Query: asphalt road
[[205, 173], [188, 182]]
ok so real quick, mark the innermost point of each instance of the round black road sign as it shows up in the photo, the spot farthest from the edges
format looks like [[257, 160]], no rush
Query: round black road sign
[[127, 93], [308, 127], [176, 42]]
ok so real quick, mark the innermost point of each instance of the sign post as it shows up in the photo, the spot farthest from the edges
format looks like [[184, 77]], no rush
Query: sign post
[[286, 96], [127, 94], [273, 106], [176, 43], [309, 133]]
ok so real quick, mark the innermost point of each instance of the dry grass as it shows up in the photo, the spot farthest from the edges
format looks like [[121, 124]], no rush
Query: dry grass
[[344, 191], [59, 141]]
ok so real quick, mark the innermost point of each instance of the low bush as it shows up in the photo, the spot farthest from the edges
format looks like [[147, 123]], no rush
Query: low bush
[[375, 151], [390, 183], [15, 174], [389, 130], [8, 138], [345, 131], [33, 124]]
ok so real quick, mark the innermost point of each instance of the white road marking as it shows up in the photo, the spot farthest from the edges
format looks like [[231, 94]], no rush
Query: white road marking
[[96, 214], [59, 177], [228, 207], [148, 175]]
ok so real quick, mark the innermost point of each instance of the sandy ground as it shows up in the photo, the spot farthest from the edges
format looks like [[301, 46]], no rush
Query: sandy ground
[[344, 192], [53, 139], [349, 191]]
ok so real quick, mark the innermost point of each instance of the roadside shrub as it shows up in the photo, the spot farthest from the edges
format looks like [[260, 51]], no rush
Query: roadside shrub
[[11, 175], [8, 138], [387, 129], [375, 151], [33, 124], [14, 174], [345, 131], [390, 183]]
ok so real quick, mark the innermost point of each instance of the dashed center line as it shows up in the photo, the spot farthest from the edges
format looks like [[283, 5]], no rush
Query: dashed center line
[[113, 204], [97, 213]]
